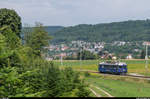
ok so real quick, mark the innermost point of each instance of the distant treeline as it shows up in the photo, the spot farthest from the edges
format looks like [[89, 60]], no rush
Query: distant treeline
[[49, 29], [138, 30]]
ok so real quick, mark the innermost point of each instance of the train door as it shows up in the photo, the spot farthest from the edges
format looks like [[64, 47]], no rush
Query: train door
[[125, 68], [114, 69]]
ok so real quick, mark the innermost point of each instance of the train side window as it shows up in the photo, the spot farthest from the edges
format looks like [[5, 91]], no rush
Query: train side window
[[102, 66], [110, 67], [114, 67], [106, 66]]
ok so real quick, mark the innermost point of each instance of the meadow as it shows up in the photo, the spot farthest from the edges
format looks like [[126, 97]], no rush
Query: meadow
[[120, 87], [134, 66], [117, 86]]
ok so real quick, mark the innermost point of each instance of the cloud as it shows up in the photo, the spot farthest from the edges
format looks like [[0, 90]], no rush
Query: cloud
[[72, 12]]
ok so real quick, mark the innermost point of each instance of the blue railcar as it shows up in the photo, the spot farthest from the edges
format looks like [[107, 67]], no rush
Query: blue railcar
[[114, 68]]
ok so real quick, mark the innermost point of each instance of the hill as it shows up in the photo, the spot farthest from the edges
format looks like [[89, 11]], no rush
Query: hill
[[53, 29], [50, 29], [138, 30]]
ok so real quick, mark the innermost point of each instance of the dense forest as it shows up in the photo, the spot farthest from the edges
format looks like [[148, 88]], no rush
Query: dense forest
[[23, 70], [50, 29], [53, 29], [138, 30]]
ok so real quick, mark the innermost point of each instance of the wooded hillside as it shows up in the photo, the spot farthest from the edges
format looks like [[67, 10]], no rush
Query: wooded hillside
[[138, 30]]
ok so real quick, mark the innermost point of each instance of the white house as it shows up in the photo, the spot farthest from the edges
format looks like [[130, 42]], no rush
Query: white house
[[129, 56]]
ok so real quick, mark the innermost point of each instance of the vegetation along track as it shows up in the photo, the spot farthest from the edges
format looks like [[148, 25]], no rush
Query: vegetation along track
[[125, 75]]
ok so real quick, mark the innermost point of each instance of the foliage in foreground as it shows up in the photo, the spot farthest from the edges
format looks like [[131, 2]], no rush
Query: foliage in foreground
[[24, 73], [46, 81]]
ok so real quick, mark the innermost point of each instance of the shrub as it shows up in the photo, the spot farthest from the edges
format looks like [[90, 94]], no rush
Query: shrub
[[86, 74]]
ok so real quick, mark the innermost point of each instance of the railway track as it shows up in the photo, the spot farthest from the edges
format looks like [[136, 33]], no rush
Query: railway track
[[125, 75], [147, 77]]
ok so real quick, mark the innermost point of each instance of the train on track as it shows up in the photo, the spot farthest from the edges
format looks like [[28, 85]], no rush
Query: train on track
[[114, 67]]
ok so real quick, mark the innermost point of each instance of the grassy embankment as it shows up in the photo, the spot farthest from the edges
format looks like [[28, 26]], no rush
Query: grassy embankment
[[116, 86], [120, 86]]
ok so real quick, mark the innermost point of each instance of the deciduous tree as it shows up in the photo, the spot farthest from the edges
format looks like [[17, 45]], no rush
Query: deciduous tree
[[10, 18]]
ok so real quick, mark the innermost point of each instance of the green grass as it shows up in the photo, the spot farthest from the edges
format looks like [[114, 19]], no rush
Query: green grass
[[121, 88], [98, 91], [92, 95], [134, 61], [116, 86], [77, 62], [134, 66]]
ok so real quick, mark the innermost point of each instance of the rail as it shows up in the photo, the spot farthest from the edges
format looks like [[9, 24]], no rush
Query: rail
[[125, 75]]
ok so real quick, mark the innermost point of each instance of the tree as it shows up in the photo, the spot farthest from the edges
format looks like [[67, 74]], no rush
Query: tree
[[100, 53], [13, 41], [39, 38], [23, 74], [3, 50], [2, 42], [85, 55], [143, 54], [27, 34], [12, 19]]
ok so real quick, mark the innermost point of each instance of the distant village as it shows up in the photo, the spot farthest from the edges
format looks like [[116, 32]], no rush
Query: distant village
[[71, 49]]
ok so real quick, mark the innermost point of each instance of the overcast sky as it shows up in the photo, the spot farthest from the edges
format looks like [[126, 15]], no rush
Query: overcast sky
[[73, 12]]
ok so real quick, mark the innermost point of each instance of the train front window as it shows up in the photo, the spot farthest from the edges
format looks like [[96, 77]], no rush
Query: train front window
[[124, 67], [120, 66], [106, 66]]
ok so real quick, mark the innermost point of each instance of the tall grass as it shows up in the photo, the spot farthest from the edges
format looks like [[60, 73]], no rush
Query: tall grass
[[121, 87]]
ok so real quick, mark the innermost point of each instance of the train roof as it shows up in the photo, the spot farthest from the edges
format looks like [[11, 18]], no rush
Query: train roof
[[115, 63]]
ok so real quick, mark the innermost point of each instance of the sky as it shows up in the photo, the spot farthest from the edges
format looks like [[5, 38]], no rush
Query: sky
[[74, 12]]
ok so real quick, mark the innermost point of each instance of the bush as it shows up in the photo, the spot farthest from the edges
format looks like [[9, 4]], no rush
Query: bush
[[83, 91], [86, 74], [23, 71]]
